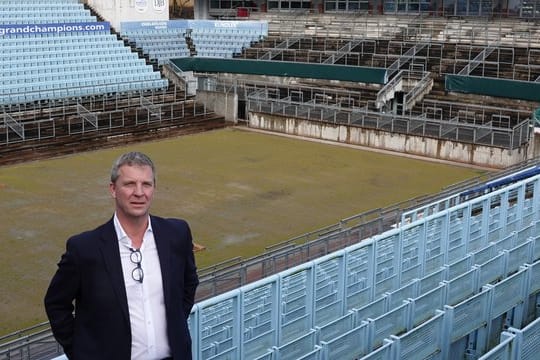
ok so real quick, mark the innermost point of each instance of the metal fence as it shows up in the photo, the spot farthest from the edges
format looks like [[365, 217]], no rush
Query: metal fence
[[38, 122], [266, 101]]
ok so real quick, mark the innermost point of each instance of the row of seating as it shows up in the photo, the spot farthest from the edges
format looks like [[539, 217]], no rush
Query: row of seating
[[160, 53], [76, 89], [162, 57], [153, 33], [215, 53], [217, 31], [44, 13], [58, 82], [21, 19], [31, 77], [141, 82], [52, 67], [32, 3], [220, 45], [16, 65], [6, 6], [66, 47], [226, 37], [173, 41], [81, 52], [163, 46], [62, 38]]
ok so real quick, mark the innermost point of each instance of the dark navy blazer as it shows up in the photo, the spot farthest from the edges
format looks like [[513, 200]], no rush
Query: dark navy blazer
[[89, 280]]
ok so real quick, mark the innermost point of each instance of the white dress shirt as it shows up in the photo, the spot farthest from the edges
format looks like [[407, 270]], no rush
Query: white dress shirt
[[149, 338]]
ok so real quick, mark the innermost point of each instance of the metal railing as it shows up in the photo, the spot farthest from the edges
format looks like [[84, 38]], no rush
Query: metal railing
[[341, 52], [37, 122], [415, 124], [422, 87]]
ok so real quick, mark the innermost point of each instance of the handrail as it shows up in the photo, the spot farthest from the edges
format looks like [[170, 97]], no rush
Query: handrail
[[344, 50], [23, 332], [387, 88], [176, 72], [473, 64], [409, 54], [281, 46], [505, 138], [14, 125], [90, 117], [423, 86]]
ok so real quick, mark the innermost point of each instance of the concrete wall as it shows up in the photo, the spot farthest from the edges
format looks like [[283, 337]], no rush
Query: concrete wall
[[478, 155], [224, 104]]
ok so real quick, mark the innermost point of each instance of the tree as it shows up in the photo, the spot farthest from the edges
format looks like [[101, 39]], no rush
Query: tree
[[178, 7]]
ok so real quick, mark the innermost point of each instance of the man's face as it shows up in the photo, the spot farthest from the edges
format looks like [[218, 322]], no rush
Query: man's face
[[133, 191]]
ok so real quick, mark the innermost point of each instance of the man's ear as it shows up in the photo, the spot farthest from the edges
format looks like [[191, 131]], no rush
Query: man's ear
[[112, 190]]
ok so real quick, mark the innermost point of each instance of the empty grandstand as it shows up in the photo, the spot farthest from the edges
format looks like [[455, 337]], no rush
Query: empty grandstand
[[166, 40], [56, 53], [68, 81], [458, 89]]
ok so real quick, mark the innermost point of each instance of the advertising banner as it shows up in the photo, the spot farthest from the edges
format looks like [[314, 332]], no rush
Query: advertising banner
[[36, 29]]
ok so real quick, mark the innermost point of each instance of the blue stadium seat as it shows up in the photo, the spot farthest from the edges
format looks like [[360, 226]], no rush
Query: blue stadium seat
[[64, 60]]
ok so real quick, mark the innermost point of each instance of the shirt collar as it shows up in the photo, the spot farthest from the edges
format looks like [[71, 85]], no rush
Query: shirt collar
[[121, 233]]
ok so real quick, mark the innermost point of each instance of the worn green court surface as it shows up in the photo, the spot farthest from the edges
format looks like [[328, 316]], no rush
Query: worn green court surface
[[240, 191]]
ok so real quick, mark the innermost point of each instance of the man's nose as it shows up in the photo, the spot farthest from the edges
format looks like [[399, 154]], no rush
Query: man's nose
[[139, 190]]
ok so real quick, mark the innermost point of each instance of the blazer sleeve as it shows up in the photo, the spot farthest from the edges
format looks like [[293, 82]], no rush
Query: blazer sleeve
[[191, 280], [59, 298]]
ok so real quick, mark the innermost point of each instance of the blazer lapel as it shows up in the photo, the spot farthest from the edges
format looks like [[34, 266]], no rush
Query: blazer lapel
[[111, 256], [163, 244]]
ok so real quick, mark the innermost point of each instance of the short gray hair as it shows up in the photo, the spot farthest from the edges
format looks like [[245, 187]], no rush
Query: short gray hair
[[131, 158]]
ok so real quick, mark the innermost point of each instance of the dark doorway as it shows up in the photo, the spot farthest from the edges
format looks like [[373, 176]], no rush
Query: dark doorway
[[242, 113]]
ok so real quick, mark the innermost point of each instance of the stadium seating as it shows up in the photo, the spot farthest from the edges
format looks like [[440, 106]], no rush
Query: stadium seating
[[159, 44], [207, 40], [223, 42], [442, 284], [39, 12], [53, 65]]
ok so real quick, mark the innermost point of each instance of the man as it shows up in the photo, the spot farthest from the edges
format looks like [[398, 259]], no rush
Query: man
[[131, 281]]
